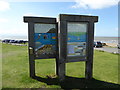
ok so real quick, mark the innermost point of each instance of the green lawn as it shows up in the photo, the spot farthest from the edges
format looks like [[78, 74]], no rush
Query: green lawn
[[15, 70]]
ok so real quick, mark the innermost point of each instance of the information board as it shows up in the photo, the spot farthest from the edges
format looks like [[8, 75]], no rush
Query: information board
[[45, 40], [68, 40], [76, 43]]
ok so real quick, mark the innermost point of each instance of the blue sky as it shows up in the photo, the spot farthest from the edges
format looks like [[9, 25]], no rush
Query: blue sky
[[11, 15]]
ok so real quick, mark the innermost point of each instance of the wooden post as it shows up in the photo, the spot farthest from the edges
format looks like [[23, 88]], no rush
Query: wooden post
[[56, 67], [89, 62], [32, 67], [61, 56], [61, 71], [31, 49], [57, 52]]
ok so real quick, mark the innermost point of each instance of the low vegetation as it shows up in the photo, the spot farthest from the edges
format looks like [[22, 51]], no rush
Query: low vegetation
[[15, 71]]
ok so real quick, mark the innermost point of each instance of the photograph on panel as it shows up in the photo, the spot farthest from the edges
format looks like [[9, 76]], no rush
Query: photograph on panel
[[45, 39]]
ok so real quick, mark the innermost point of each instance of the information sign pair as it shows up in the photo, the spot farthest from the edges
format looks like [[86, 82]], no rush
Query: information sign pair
[[70, 39]]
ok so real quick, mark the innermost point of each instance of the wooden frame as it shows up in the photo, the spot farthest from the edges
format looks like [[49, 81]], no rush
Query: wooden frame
[[64, 18], [31, 21]]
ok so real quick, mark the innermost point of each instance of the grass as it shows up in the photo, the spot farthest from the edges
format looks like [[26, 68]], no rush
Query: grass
[[15, 70]]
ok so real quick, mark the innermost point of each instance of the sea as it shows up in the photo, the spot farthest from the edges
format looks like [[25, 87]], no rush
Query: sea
[[14, 37], [102, 39], [114, 40]]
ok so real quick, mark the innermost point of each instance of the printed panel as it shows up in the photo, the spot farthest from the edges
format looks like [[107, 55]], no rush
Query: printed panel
[[45, 40], [76, 44]]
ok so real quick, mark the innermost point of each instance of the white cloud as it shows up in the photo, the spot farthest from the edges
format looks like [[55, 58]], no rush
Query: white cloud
[[16, 28], [95, 4], [31, 14], [90, 14], [116, 29], [4, 6], [14, 31], [36, 15], [3, 20], [40, 0]]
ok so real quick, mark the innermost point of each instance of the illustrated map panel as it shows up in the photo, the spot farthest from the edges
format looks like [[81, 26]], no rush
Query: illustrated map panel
[[45, 40], [76, 44]]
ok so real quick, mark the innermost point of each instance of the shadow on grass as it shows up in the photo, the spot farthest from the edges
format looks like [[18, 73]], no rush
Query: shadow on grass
[[77, 83]]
